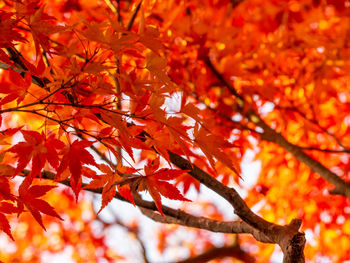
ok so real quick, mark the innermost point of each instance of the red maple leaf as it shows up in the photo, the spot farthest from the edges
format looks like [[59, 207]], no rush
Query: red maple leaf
[[6, 207], [42, 25], [5, 190], [9, 34], [38, 149], [108, 180], [74, 157], [18, 88], [156, 183], [28, 195]]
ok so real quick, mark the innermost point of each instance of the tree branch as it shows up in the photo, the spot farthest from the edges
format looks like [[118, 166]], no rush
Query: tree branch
[[179, 217], [233, 251], [175, 216], [133, 16], [290, 240], [282, 235]]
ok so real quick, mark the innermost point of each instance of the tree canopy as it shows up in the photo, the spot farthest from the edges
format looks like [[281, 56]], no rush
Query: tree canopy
[[144, 101]]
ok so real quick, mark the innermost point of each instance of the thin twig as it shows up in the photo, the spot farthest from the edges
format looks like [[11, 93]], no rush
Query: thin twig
[[133, 16]]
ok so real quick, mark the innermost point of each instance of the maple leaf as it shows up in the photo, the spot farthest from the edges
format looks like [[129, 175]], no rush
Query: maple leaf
[[7, 28], [73, 157], [192, 111], [37, 70], [156, 183], [156, 65], [159, 140], [124, 137], [155, 103], [149, 39], [5, 190], [179, 132], [95, 31], [38, 149], [18, 88], [4, 57], [187, 181], [28, 195], [96, 67], [41, 26], [6, 208], [211, 146], [5, 134], [108, 180]]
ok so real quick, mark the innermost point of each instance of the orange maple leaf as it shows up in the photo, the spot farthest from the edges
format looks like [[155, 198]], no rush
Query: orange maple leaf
[[108, 180], [6, 207], [211, 145], [156, 65]]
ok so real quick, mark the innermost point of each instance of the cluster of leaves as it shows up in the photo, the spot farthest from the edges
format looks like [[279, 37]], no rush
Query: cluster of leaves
[[76, 97]]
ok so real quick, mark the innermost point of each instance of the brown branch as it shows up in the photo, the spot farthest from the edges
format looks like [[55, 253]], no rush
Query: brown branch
[[261, 229], [175, 216], [291, 241], [233, 251], [133, 16], [309, 148], [282, 235], [179, 217]]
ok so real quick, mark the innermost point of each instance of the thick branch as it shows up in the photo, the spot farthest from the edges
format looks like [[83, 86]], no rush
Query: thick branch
[[240, 207], [282, 235], [185, 219], [176, 216], [220, 252]]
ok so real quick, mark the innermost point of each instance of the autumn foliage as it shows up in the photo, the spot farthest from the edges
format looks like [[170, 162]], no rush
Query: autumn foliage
[[146, 101]]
